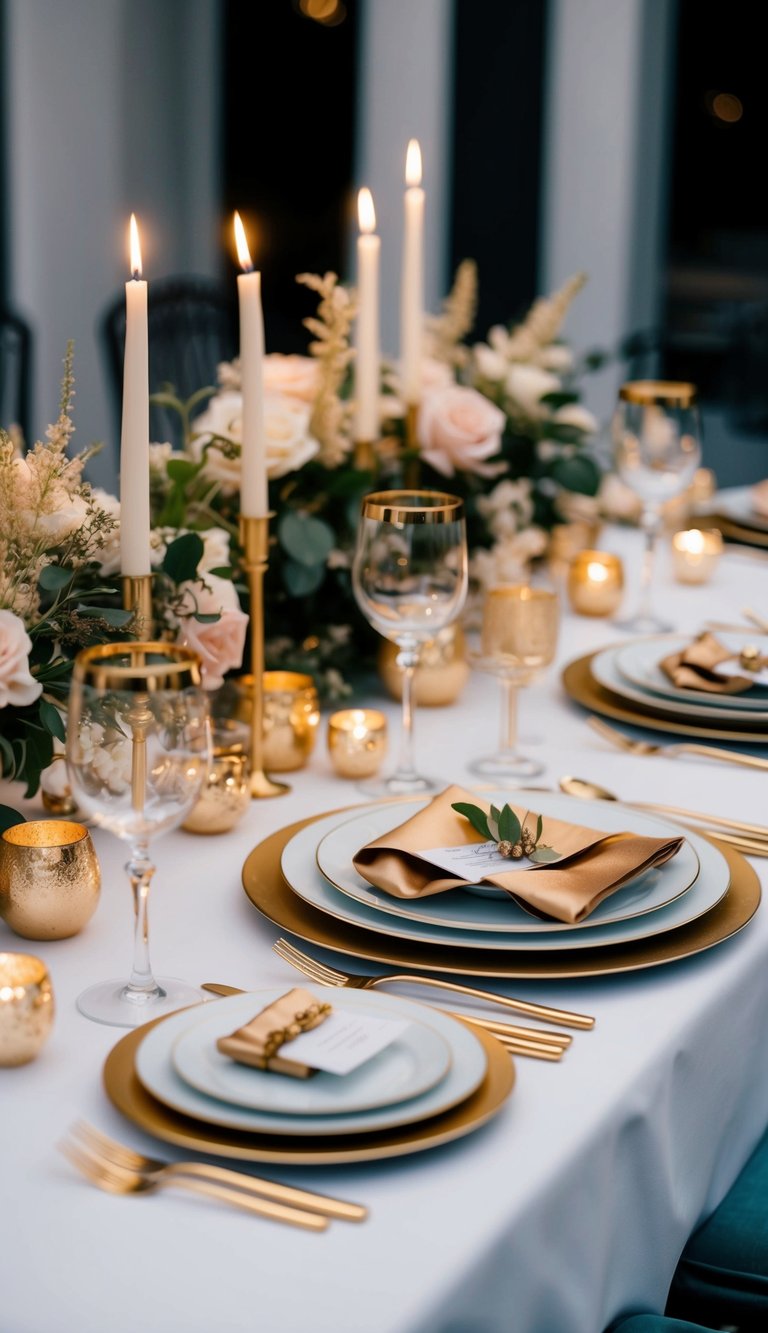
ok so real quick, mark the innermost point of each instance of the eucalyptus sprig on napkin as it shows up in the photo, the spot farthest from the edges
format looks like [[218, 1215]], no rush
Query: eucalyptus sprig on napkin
[[513, 838]]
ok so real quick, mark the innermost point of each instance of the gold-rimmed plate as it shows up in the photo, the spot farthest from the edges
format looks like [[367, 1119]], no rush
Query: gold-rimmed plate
[[127, 1094], [580, 685], [272, 896]]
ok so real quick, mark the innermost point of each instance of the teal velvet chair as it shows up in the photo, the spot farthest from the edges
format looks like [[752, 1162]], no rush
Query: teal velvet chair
[[722, 1277]]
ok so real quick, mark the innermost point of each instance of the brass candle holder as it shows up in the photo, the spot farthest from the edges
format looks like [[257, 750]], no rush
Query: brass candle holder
[[364, 456], [254, 536], [412, 469], [137, 597]]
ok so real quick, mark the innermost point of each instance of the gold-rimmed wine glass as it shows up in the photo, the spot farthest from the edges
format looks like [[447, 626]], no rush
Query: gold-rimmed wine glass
[[656, 449], [517, 641], [409, 577], [138, 751]]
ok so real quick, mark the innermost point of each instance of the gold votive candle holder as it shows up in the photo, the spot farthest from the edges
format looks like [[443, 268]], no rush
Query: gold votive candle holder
[[567, 540], [26, 1008], [225, 797], [291, 713], [357, 741], [595, 583], [695, 554], [50, 879]]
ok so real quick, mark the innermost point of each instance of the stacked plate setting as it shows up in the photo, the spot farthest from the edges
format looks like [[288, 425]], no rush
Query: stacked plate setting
[[631, 675], [738, 518]]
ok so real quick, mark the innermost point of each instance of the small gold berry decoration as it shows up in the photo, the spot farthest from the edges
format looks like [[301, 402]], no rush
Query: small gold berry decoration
[[511, 835]]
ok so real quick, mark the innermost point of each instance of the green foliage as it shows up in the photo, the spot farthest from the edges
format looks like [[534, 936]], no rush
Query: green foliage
[[9, 817], [306, 539], [182, 557]]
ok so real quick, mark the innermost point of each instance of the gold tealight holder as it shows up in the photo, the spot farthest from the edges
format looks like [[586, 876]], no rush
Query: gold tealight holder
[[357, 741], [695, 554], [26, 1008], [49, 878], [595, 583], [226, 794], [290, 717]]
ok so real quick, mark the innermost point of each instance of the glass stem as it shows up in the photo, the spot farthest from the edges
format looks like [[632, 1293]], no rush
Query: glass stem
[[508, 744], [407, 660], [140, 870], [650, 522]]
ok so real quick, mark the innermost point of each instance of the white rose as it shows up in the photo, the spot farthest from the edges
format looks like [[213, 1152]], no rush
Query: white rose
[[293, 376], [17, 685], [286, 425], [527, 385], [458, 430]]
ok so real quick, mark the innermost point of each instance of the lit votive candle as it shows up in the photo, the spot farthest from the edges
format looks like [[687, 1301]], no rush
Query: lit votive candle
[[357, 741], [595, 583], [26, 1008], [695, 554]]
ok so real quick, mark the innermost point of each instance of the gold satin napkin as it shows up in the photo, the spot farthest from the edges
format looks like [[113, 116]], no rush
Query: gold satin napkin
[[257, 1043], [593, 864], [695, 668]]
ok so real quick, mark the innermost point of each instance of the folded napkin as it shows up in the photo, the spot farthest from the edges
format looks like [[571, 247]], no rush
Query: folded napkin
[[695, 668], [258, 1042], [592, 864]]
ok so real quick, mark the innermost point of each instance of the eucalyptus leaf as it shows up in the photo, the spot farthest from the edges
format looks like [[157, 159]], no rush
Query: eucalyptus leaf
[[9, 817], [301, 580], [112, 615], [542, 855], [54, 577], [206, 618], [509, 825], [306, 539], [477, 817], [182, 470], [182, 557], [578, 473], [52, 720], [539, 827]]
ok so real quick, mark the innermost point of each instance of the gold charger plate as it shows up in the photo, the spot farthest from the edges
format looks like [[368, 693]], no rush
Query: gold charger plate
[[581, 686], [272, 896], [124, 1090]]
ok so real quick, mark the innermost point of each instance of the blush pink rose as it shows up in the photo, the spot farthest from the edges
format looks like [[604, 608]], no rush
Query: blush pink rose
[[218, 643], [18, 686], [458, 430]]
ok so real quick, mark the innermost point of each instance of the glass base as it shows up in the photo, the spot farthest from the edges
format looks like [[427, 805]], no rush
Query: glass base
[[506, 766], [106, 1002], [400, 784], [644, 624]]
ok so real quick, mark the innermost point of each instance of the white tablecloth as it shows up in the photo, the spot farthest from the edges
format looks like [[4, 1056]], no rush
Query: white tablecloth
[[570, 1207]]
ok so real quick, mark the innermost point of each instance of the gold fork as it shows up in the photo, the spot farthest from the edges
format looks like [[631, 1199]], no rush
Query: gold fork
[[623, 742], [120, 1180], [101, 1145], [329, 976]]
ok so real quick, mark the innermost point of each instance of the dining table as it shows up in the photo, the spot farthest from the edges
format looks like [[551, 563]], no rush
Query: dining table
[[569, 1208]]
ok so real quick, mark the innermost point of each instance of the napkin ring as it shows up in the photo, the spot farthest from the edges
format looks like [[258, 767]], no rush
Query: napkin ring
[[302, 1021]]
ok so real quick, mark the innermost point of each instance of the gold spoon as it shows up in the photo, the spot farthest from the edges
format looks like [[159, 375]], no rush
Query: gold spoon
[[748, 837]]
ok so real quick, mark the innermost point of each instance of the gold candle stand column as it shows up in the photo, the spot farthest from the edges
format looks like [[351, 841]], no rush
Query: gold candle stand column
[[137, 597], [254, 536], [412, 469]]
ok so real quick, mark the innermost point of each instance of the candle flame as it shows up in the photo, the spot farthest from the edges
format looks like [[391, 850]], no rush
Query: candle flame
[[243, 253], [366, 213], [135, 247], [596, 573], [413, 163], [693, 541]]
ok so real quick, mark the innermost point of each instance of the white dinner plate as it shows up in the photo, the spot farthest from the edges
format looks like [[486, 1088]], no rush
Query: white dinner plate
[[336, 842], [155, 1069], [417, 1061], [737, 504], [606, 673], [638, 663]]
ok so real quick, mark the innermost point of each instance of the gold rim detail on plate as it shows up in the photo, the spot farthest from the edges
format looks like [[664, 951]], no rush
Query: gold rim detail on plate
[[271, 895], [581, 686], [124, 1090], [393, 507]]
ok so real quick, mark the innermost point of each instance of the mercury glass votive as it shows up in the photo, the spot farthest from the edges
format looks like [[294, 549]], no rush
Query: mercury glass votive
[[26, 1008], [291, 717], [595, 583], [695, 554], [49, 878], [357, 741]]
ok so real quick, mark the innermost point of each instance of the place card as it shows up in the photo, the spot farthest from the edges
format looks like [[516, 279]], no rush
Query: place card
[[473, 861], [344, 1041]]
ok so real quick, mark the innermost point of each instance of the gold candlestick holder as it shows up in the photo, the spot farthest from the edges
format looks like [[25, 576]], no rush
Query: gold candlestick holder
[[412, 468], [137, 597], [364, 456], [254, 536]]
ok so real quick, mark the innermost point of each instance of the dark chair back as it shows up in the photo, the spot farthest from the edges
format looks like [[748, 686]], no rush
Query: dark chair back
[[192, 327], [15, 372]]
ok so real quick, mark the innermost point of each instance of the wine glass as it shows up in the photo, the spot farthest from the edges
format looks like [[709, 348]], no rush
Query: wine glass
[[409, 577], [518, 639], [138, 751], [657, 448]]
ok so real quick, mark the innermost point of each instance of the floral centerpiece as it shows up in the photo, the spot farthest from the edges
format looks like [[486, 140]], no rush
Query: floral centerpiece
[[59, 555], [500, 423]]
